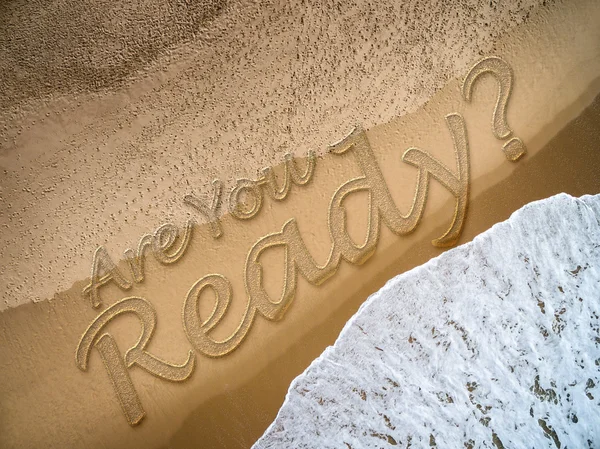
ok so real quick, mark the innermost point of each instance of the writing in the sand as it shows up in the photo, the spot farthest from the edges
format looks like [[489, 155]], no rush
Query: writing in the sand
[[168, 245]]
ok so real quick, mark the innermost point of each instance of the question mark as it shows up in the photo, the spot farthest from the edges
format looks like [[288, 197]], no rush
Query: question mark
[[514, 148]]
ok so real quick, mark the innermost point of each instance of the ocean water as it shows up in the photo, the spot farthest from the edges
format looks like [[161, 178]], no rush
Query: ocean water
[[492, 344]]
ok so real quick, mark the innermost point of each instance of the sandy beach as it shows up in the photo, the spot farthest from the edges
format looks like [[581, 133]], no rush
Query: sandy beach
[[92, 161]]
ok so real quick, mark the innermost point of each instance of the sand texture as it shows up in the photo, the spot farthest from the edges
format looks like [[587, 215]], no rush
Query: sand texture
[[105, 126]]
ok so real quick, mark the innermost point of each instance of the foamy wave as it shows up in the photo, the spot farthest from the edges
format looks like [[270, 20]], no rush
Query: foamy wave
[[492, 344]]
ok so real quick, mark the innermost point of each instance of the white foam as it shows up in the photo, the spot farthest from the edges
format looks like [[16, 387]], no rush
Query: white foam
[[490, 342]]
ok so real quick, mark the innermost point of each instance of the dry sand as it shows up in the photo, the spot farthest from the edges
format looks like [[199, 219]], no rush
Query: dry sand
[[96, 153]]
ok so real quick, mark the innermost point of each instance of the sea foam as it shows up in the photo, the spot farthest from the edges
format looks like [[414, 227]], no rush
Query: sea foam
[[492, 344]]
